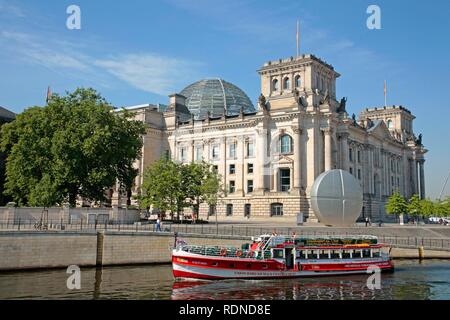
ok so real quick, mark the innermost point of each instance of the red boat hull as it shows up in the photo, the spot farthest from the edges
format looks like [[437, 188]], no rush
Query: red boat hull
[[186, 265]]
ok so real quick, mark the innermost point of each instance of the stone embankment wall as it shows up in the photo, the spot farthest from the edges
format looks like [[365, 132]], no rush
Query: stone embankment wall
[[37, 250], [40, 250]]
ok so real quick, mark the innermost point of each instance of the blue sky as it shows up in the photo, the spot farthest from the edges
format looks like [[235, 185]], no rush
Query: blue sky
[[137, 52]]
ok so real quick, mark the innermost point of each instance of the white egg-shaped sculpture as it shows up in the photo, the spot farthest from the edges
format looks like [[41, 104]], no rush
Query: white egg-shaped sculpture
[[337, 198]]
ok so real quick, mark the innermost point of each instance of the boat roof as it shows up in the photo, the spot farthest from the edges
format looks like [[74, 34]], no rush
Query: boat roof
[[316, 237]]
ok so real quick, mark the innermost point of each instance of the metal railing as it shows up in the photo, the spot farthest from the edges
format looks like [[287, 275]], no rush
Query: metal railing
[[220, 230]]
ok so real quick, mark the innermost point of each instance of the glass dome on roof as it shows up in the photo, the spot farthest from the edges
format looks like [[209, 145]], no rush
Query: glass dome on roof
[[216, 96]]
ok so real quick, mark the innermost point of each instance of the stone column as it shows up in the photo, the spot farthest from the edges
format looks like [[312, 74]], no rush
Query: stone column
[[207, 151], [345, 150], [192, 153], [328, 149], [275, 179], [417, 177], [223, 160], [297, 158], [240, 185], [260, 163], [422, 179]]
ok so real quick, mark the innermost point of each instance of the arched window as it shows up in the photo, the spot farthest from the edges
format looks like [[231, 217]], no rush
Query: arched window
[[276, 209], [275, 85], [286, 83], [285, 144], [390, 124], [298, 81]]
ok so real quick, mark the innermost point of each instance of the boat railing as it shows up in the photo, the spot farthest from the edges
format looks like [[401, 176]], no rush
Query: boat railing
[[222, 251]]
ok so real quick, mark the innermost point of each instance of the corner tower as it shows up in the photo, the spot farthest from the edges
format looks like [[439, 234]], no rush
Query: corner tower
[[307, 76]]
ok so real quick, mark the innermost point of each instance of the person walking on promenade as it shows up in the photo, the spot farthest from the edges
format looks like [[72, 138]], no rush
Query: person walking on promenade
[[367, 221], [158, 225]]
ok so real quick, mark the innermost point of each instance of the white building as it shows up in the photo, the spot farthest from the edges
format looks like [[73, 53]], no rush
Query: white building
[[269, 156]]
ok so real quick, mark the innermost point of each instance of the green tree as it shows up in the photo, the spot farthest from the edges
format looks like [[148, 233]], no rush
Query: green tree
[[203, 184], [442, 208], [164, 187], [396, 204], [428, 208], [415, 206], [77, 145]]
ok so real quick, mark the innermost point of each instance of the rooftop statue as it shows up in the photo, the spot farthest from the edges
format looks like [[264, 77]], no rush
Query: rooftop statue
[[326, 98], [262, 102], [301, 101], [342, 105], [419, 140]]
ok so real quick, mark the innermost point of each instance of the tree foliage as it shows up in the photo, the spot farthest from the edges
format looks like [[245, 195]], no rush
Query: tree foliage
[[77, 145], [204, 185], [171, 186], [164, 187], [415, 206], [396, 204]]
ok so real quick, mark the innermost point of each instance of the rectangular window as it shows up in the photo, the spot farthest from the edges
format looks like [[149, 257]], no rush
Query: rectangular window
[[229, 209], [250, 149], [215, 152], [350, 155], [183, 154], [250, 168], [351, 170], [359, 156], [249, 186], [247, 210], [232, 168], [232, 188], [285, 180], [359, 174], [199, 153], [232, 151]]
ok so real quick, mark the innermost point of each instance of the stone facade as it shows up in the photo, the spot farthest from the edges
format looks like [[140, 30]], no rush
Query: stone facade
[[269, 159]]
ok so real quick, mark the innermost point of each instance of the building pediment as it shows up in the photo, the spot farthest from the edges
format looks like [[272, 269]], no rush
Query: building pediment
[[284, 160], [380, 130]]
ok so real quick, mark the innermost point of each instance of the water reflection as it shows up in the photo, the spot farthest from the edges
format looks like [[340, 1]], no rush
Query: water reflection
[[429, 280]]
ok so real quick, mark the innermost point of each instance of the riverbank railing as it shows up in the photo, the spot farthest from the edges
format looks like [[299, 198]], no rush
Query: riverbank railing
[[436, 243]]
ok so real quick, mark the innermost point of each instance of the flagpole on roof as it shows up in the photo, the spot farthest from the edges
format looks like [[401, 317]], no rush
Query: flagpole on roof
[[298, 38], [385, 93]]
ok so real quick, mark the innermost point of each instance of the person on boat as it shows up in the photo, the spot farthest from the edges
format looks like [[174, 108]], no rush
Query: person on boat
[[254, 246]]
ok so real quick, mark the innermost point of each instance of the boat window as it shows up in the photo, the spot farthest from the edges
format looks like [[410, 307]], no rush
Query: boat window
[[335, 254], [376, 253], [315, 254], [323, 254], [346, 254], [278, 253], [302, 254], [215, 264], [366, 253], [357, 254], [264, 266], [231, 265], [249, 265]]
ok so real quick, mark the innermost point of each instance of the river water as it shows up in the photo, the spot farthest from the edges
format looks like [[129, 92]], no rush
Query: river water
[[412, 280]]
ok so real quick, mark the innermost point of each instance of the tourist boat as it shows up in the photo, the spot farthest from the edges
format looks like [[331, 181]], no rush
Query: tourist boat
[[276, 256]]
